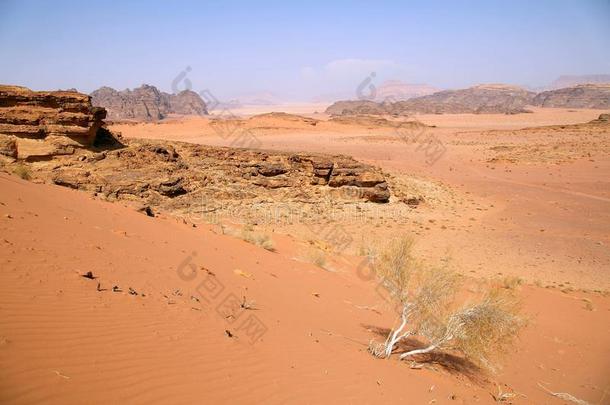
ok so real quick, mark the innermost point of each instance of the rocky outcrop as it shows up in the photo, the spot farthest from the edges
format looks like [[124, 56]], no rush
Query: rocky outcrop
[[603, 119], [176, 176], [356, 107], [39, 124], [186, 102], [479, 99], [147, 103], [581, 96]]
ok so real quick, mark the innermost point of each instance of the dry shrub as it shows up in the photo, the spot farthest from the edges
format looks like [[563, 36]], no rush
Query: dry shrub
[[259, 239], [435, 290], [315, 256], [395, 265], [511, 282], [483, 329], [430, 309]]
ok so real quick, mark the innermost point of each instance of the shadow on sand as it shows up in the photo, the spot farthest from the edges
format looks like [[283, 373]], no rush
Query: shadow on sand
[[451, 363]]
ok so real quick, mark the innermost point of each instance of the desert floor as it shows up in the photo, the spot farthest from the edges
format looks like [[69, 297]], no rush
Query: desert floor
[[501, 203]]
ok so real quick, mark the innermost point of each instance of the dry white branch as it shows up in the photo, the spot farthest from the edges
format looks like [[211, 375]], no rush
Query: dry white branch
[[565, 396]]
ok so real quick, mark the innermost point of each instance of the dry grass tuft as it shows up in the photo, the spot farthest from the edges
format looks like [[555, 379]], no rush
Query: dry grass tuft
[[511, 282], [259, 239], [315, 256], [22, 171]]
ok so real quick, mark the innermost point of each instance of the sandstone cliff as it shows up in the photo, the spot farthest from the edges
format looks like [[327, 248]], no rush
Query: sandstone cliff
[[39, 124], [147, 103]]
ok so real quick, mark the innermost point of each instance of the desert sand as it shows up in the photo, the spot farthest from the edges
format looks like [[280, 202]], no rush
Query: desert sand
[[532, 204], [67, 338], [182, 311]]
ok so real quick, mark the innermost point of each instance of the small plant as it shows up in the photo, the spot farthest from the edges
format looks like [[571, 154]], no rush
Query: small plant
[[22, 171], [511, 282], [316, 256], [259, 239], [427, 305]]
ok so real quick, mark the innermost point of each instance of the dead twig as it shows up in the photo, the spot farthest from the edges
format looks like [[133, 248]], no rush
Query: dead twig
[[565, 396]]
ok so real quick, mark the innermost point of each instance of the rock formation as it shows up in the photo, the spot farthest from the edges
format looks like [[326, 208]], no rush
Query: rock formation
[[176, 175], [147, 103], [39, 124], [574, 80], [603, 119], [581, 96], [356, 107], [479, 99]]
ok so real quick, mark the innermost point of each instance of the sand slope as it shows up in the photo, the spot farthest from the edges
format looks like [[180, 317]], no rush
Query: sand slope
[[63, 341]]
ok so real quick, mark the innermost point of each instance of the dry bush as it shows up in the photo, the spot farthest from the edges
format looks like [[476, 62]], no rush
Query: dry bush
[[315, 256], [511, 282], [430, 310], [486, 328], [23, 172], [395, 265], [478, 331], [259, 239], [435, 290]]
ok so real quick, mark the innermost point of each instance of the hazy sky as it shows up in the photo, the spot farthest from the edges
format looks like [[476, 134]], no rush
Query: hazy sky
[[299, 50]]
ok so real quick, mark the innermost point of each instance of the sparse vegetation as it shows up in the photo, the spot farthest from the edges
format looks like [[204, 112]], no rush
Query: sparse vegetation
[[429, 309], [316, 256], [259, 239], [248, 234], [511, 282], [22, 171]]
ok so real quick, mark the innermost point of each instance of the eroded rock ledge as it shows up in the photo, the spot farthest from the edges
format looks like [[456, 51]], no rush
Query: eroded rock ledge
[[42, 124], [176, 175]]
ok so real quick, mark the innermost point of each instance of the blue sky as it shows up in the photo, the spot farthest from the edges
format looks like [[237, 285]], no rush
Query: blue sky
[[299, 50]]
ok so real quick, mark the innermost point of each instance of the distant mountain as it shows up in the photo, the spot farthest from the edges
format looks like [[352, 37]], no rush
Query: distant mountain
[[147, 103], [488, 98], [573, 80], [580, 96], [400, 91]]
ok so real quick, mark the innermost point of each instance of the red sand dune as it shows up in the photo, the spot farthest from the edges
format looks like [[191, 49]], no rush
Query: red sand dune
[[63, 341]]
